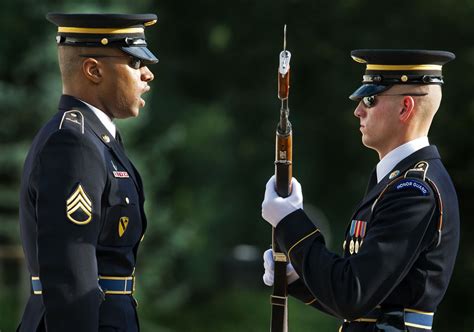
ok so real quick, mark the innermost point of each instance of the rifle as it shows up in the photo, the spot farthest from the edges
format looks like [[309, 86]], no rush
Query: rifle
[[283, 174]]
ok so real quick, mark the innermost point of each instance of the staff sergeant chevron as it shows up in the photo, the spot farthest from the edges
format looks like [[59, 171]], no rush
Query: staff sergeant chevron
[[79, 207]]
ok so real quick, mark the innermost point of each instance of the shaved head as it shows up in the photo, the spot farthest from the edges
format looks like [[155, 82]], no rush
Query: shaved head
[[427, 105], [71, 61]]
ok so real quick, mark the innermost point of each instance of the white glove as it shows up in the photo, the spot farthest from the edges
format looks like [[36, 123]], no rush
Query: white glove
[[269, 266], [275, 208]]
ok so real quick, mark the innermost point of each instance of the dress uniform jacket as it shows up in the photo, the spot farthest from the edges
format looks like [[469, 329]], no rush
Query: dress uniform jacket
[[81, 217], [398, 255]]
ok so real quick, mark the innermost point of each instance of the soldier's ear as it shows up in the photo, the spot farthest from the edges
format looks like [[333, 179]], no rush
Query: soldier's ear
[[408, 108], [92, 70]]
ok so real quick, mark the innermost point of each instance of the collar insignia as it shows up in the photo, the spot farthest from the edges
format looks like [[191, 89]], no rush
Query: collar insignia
[[394, 174], [105, 138]]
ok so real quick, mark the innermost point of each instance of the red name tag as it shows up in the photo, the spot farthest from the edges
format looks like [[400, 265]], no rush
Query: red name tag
[[120, 174]]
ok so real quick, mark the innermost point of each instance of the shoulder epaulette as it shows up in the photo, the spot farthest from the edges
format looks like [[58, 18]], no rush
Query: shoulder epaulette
[[419, 171], [73, 118]]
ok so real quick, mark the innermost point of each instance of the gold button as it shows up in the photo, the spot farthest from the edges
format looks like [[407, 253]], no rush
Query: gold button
[[104, 41], [404, 78], [127, 200]]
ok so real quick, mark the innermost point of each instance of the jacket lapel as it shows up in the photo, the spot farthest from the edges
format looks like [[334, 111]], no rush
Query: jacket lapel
[[67, 103]]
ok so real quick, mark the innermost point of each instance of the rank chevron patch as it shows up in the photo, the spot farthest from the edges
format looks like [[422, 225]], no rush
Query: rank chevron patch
[[79, 207]]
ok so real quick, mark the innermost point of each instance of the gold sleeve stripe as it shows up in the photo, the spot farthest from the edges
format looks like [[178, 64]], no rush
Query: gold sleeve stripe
[[118, 292], [99, 30], [418, 326], [301, 240], [365, 320], [420, 312], [311, 302], [115, 278], [403, 67]]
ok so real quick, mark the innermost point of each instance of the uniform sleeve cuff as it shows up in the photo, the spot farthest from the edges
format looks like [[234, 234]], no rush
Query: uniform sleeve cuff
[[293, 230]]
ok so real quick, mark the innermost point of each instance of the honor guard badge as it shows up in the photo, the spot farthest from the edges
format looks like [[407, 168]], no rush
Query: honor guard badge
[[79, 207], [122, 226], [417, 185], [357, 233]]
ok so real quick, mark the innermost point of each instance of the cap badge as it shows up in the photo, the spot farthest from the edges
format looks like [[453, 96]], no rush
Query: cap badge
[[147, 24], [359, 60]]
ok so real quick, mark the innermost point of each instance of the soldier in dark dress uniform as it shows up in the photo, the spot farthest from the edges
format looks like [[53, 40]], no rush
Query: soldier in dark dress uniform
[[81, 204], [401, 241]]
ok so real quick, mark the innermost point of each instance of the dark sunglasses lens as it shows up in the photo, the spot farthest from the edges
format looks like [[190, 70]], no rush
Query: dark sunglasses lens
[[136, 63], [369, 101]]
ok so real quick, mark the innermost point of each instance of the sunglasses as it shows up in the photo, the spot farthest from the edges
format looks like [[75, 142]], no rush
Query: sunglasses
[[371, 101], [135, 63]]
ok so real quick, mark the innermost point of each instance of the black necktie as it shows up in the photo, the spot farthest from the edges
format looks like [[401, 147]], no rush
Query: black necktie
[[118, 138], [372, 181]]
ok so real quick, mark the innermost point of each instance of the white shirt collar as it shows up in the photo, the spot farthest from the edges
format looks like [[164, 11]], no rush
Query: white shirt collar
[[398, 154], [104, 118]]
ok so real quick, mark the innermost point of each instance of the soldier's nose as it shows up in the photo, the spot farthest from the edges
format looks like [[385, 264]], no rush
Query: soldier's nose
[[359, 111]]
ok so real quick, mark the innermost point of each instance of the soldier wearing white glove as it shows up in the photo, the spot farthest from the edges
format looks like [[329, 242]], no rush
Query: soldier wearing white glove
[[269, 266], [275, 208]]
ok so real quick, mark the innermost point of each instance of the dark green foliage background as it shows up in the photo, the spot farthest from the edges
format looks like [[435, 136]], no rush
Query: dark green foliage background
[[204, 142]]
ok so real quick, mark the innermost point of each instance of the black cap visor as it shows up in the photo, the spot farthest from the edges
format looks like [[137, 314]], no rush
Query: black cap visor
[[368, 90], [141, 53]]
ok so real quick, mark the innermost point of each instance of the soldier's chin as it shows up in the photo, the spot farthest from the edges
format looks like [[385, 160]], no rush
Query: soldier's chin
[[365, 141], [135, 112]]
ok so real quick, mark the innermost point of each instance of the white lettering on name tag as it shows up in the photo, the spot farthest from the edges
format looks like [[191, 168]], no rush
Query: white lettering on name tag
[[118, 174]]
